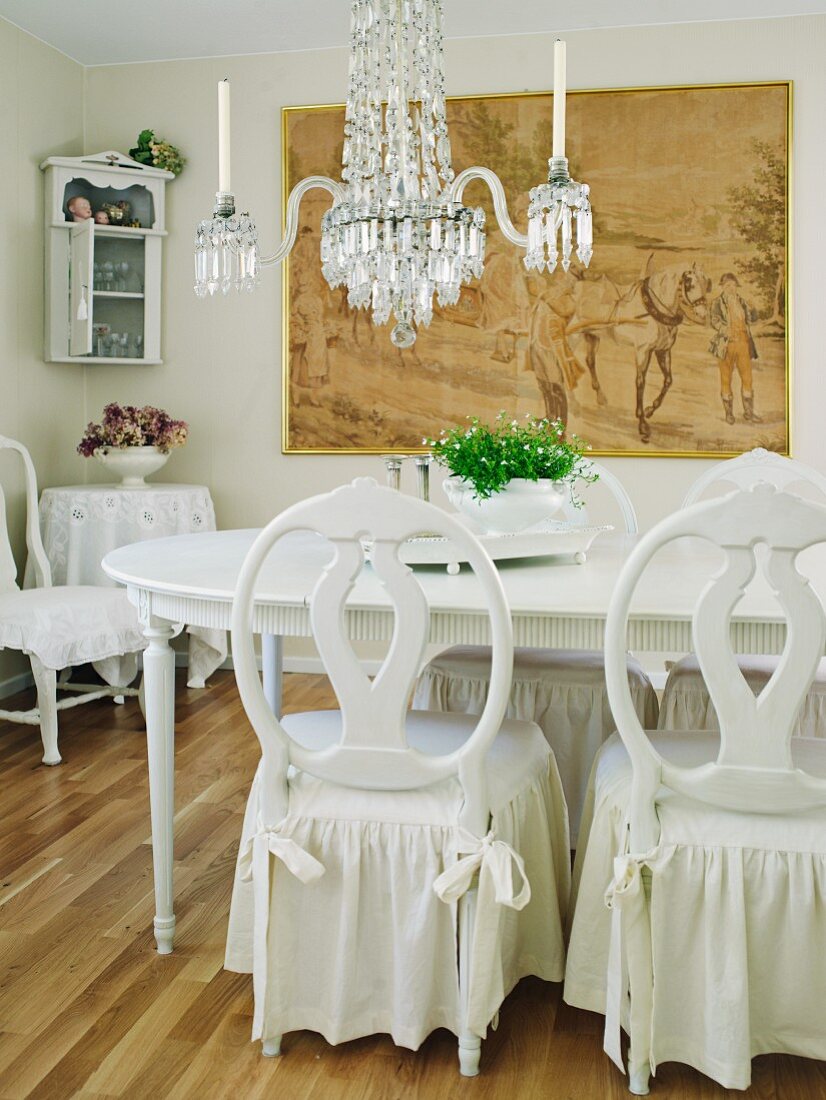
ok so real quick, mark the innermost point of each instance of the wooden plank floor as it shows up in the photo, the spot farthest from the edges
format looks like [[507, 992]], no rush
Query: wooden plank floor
[[88, 1009]]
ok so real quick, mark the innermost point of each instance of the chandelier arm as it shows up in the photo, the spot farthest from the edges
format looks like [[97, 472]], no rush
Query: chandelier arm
[[500, 203], [291, 220]]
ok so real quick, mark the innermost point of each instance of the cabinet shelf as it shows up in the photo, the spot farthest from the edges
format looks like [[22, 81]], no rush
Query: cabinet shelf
[[117, 294], [104, 360]]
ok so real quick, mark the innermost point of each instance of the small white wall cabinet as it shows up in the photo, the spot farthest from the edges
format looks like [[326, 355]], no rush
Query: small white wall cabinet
[[103, 281]]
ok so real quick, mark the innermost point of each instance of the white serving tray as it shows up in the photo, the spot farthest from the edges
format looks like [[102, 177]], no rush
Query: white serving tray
[[550, 538]]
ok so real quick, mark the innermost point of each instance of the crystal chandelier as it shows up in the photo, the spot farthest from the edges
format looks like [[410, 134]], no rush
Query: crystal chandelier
[[398, 234]]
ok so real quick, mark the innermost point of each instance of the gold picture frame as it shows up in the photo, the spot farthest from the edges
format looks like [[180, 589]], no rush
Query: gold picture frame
[[347, 390]]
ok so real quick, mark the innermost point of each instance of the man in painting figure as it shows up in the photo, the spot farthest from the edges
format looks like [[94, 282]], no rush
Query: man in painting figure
[[733, 346], [309, 354], [550, 357], [506, 303]]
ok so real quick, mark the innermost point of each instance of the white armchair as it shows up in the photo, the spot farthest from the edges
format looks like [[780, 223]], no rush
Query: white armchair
[[712, 846], [399, 871], [57, 627]]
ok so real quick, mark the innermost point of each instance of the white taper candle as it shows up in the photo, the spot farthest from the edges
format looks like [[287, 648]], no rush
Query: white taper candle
[[224, 182], [559, 98]]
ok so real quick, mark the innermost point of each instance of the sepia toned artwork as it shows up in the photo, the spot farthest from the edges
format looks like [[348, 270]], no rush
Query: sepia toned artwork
[[675, 340]]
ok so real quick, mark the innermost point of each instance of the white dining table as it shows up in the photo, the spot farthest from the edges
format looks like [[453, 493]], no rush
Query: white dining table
[[190, 579]]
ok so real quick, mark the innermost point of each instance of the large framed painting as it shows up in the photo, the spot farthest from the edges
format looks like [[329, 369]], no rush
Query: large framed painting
[[674, 342]]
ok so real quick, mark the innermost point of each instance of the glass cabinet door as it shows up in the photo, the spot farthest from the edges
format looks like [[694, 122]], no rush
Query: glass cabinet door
[[118, 294], [107, 293]]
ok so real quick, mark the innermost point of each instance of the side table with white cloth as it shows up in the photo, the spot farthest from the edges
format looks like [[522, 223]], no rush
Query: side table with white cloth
[[80, 524]]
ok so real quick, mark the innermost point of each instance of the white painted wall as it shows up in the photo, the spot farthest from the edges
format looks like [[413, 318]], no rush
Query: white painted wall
[[41, 92]]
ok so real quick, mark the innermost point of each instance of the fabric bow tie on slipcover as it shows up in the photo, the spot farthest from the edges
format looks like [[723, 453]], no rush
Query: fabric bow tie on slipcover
[[631, 969], [254, 865], [488, 856], [305, 867]]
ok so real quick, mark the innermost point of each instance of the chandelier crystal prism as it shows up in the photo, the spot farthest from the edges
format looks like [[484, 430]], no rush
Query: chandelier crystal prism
[[398, 235]]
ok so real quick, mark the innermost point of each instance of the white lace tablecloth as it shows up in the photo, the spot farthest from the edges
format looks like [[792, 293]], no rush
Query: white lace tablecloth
[[82, 523]]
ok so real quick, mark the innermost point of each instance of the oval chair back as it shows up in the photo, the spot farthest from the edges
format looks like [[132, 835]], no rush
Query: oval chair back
[[754, 770], [752, 467], [373, 752], [617, 490]]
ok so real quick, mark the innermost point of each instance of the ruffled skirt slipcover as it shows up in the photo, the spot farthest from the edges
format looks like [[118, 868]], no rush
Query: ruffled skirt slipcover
[[368, 947], [70, 624], [563, 691], [687, 705], [737, 909]]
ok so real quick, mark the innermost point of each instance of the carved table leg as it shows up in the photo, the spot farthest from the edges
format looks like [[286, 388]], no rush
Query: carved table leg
[[159, 688], [272, 660]]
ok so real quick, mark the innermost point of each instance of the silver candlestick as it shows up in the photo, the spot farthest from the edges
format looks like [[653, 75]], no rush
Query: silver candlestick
[[422, 464], [394, 470]]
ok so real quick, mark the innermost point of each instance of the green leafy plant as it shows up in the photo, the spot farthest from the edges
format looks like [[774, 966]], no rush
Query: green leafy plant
[[157, 152], [488, 456]]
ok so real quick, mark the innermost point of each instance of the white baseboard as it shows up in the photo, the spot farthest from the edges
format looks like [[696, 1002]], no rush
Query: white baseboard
[[13, 684], [308, 665]]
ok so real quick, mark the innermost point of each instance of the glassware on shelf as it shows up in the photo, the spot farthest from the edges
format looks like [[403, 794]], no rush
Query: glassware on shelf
[[108, 274], [122, 269], [101, 331], [123, 340], [96, 276], [139, 347]]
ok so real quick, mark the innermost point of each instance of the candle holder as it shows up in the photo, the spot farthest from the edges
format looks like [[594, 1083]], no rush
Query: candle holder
[[226, 250], [553, 208], [422, 464], [394, 464], [224, 204]]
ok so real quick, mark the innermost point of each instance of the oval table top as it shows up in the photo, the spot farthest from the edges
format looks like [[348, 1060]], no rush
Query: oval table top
[[203, 568]]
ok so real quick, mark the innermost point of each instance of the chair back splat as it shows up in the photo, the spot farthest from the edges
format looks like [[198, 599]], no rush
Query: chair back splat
[[34, 542], [359, 520], [754, 770]]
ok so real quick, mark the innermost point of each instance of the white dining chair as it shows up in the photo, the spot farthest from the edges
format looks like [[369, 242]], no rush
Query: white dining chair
[[686, 703], [562, 690], [712, 846], [58, 627], [398, 871]]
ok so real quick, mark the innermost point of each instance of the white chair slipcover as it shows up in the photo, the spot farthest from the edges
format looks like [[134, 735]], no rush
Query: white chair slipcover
[[368, 974], [738, 917], [710, 849], [70, 624], [563, 691], [356, 903], [685, 703]]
